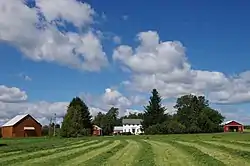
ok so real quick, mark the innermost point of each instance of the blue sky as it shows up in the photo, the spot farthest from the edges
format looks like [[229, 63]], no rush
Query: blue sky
[[209, 38]]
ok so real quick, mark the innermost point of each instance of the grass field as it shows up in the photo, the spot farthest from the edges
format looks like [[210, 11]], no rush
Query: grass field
[[182, 150]]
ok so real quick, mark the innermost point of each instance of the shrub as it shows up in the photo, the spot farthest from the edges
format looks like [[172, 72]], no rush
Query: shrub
[[156, 129], [174, 127], [85, 132]]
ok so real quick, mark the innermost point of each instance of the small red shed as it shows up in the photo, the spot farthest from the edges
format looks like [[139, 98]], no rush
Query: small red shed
[[232, 126], [97, 131]]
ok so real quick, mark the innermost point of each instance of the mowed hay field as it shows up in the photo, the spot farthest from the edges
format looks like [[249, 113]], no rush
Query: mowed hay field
[[182, 150]]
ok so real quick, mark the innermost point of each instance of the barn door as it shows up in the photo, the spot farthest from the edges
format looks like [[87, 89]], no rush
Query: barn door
[[30, 133]]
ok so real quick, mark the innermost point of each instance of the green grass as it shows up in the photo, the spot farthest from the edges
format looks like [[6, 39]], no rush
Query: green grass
[[158, 150]]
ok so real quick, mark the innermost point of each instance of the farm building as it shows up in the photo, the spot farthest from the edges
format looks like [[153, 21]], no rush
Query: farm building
[[118, 129], [132, 125], [232, 125], [22, 126], [97, 130]]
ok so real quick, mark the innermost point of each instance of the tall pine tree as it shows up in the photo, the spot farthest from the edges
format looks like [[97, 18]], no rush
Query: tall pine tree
[[77, 121], [154, 111]]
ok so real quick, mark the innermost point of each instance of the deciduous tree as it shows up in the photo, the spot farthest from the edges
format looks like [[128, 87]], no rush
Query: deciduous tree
[[195, 114]]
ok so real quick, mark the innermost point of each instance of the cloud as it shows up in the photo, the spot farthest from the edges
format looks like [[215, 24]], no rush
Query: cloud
[[80, 14], [25, 77], [232, 112], [164, 65], [39, 32], [131, 111], [125, 17], [117, 40], [13, 101], [42, 110], [110, 98], [170, 107], [113, 98], [12, 94], [104, 16]]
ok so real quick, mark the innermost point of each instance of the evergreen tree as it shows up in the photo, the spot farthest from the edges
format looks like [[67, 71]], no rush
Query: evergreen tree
[[110, 121], [154, 112], [98, 119], [77, 121]]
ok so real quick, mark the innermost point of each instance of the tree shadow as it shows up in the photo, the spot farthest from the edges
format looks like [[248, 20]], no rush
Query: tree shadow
[[3, 145]]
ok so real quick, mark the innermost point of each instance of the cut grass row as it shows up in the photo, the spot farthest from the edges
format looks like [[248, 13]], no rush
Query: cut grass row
[[134, 152]]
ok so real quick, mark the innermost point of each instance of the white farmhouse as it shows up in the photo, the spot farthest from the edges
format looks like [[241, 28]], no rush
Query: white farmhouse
[[132, 125]]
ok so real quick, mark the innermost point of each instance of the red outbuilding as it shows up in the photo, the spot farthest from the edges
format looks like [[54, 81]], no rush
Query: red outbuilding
[[22, 126], [233, 126], [97, 131]]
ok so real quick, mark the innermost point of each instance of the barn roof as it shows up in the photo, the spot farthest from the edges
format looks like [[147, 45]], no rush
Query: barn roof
[[15, 120], [230, 121], [98, 128]]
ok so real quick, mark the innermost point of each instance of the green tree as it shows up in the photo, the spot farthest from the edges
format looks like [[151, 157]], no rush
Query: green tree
[[77, 121], [195, 114], [154, 111], [107, 121], [98, 119], [110, 121], [133, 116], [45, 130]]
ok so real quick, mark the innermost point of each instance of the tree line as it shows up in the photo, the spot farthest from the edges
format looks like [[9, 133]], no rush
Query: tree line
[[193, 115]]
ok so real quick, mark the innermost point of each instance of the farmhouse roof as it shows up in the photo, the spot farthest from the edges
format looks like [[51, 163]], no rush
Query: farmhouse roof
[[15, 120], [132, 121]]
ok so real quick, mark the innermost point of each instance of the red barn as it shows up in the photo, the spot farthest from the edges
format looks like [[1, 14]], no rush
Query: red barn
[[22, 126], [232, 125], [97, 131]]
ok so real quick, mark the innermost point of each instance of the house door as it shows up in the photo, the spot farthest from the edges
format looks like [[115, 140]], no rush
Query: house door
[[133, 131]]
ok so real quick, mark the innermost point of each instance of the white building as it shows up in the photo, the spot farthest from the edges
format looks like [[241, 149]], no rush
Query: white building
[[118, 129], [132, 125]]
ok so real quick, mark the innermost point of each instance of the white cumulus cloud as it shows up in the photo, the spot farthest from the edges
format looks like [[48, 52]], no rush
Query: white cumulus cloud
[[113, 98], [12, 94], [13, 101], [35, 32], [164, 65], [80, 14]]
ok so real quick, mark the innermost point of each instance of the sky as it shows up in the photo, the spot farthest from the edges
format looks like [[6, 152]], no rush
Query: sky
[[113, 53]]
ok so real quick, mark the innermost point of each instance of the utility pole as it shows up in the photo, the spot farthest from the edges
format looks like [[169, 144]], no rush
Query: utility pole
[[55, 125], [50, 123]]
